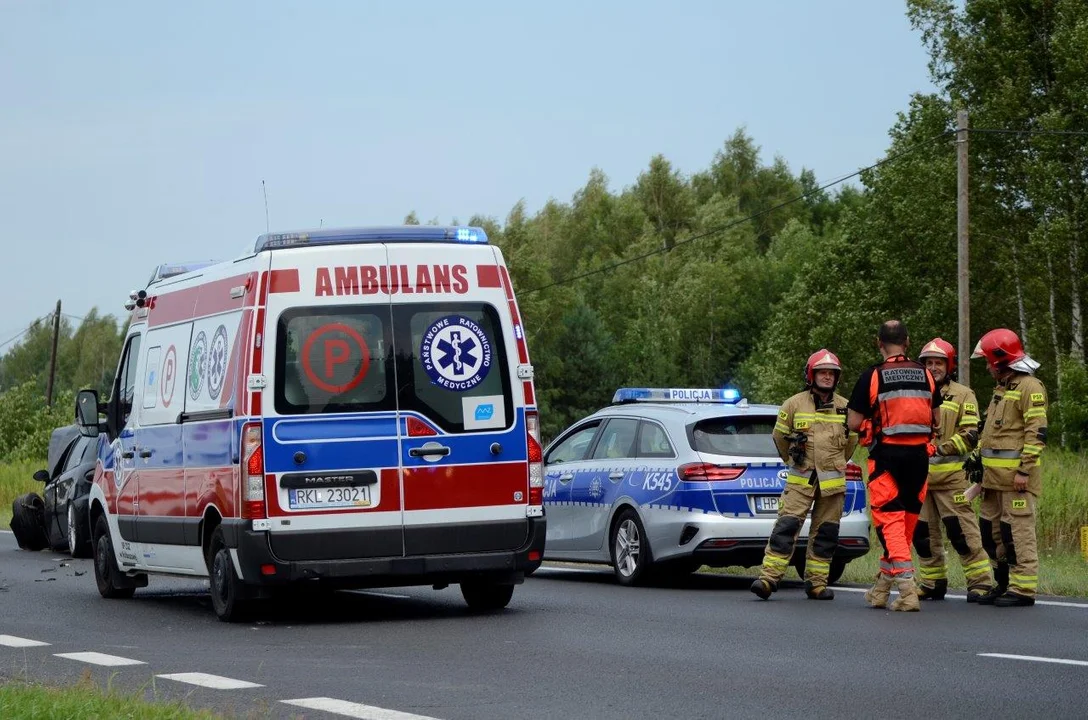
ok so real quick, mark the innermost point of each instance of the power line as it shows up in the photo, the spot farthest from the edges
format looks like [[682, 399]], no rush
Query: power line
[[999, 131], [749, 218], [24, 331]]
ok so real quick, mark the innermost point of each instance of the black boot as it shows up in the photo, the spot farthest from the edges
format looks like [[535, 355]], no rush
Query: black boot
[[937, 592], [1001, 577], [763, 588], [1011, 599], [821, 592]]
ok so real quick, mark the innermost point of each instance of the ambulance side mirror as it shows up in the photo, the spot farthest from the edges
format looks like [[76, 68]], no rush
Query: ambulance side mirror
[[87, 412]]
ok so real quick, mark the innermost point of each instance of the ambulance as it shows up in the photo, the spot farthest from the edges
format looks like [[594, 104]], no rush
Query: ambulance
[[345, 408]]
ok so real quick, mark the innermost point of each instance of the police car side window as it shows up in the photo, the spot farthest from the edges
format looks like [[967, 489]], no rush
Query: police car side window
[[574, 447], [653, 442], [617, 440]]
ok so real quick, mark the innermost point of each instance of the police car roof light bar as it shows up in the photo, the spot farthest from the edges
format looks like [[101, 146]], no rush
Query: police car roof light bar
[[393, 234], [729, 396]]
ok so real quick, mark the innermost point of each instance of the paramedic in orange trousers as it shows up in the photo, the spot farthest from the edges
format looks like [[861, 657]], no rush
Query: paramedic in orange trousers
[[901, 400]]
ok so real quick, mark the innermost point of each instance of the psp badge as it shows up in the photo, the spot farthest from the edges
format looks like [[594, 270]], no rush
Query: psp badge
[[456, 353]]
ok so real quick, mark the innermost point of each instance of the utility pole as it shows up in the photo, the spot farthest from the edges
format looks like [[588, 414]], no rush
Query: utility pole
[[53, 358], [963, 275]]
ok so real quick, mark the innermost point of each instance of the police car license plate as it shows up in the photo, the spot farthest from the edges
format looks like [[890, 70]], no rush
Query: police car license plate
[[329, 497], [767, 504]]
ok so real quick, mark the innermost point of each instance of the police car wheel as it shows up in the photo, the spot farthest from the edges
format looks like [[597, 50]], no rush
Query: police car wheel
[[106, 572], [631, 554], [486, 596], [225, 586]]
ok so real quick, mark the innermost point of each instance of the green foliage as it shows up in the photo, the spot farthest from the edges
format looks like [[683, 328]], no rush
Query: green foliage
[[1068, 416], [86, 700], [26, 423]]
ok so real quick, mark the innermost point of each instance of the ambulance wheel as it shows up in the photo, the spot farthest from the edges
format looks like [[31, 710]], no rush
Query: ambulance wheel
[[484, 596], [106, 573], [226, 588], [631, 554]]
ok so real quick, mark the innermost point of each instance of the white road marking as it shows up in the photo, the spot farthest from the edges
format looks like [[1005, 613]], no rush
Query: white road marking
[[1052, 603], [12, 641], [1034, 658], [8, 532], [215, 682], [353, 710], [381, 594], [97, 658]]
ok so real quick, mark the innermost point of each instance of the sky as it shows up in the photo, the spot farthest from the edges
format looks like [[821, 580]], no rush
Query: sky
[[137, 133]]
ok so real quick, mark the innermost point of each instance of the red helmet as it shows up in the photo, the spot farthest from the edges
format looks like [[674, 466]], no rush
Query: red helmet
[[940, 348], [1000, 347], [822, 359]]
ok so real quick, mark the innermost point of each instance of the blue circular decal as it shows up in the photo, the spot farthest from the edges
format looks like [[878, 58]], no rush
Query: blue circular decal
[[456, 353]]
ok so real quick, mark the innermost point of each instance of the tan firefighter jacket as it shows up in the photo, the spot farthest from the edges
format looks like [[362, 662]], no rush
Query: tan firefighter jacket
[[828, 442], [956, 437], [1014, 434]]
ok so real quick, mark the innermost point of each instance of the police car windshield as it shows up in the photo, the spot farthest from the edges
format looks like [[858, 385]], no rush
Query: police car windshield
[[747, 436]]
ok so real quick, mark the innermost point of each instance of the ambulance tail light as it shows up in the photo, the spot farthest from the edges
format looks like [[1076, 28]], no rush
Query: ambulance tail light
[[708, 472], [252, 472], [535, 507]]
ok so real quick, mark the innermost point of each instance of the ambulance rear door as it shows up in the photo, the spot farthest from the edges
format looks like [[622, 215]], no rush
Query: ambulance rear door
[[461, 415]]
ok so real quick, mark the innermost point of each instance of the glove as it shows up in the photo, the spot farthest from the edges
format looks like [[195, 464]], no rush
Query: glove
[[931, 449], [797, 442], [853, 471], [973, 467]]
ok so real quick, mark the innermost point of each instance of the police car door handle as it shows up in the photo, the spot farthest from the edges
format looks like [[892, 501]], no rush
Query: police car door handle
[[440, 450], [615, 476], [566, 477]]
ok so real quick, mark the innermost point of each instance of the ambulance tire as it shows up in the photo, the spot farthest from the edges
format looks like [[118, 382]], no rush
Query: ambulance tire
[[228, 593], [106, 573], [482, 596], [27, 522], [632, 557]]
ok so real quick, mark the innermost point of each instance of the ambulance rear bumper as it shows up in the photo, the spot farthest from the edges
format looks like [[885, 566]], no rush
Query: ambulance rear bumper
[[259, 566]]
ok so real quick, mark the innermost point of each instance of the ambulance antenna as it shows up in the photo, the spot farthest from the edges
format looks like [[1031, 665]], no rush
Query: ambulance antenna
[[265, 192]]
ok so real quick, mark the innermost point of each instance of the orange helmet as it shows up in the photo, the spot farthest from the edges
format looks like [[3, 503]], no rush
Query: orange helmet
[[1000, 347], [940, 348], [822, 359]]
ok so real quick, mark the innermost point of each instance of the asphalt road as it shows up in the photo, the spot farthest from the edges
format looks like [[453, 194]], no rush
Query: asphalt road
[[572, 644]]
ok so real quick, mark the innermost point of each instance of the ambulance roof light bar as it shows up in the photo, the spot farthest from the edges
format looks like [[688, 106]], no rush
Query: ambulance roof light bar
[[390, 234], [730, 396], [169, 270]]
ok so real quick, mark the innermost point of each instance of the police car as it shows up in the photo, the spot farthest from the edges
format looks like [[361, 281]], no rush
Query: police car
[[666, 480], [349, 407]]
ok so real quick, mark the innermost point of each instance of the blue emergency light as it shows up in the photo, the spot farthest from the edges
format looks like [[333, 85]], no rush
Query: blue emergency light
[[677, 395], [392, 234]]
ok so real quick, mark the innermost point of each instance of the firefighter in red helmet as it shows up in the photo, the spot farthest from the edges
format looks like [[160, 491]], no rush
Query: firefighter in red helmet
[[947, 503], [1011, 446], [813, 440]]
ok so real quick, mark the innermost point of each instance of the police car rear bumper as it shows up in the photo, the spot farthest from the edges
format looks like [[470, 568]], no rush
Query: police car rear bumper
[[259, 565], [748, 552]]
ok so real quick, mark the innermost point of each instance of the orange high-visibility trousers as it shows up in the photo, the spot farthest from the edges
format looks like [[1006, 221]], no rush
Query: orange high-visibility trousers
[[897, 487]]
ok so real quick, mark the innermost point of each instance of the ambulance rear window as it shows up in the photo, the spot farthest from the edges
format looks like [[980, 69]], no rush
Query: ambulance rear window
[[748, 436], [450, 363], [332, 360]]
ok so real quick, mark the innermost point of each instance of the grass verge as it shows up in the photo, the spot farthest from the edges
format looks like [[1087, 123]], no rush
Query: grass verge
[[86, 700]]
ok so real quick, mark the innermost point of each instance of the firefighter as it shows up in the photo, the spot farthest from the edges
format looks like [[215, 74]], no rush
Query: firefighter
[[901, 400], [1013, 439], [812, 438], [946, 500]]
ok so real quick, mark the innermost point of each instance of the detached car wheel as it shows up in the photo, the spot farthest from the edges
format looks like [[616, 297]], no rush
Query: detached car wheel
[[111, 583], [28, 522], [631, 554]]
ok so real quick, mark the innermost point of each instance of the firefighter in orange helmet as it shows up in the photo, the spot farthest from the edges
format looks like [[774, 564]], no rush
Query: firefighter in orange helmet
[[946, 500], [812, 438], [900, 398], [1011, 446]]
